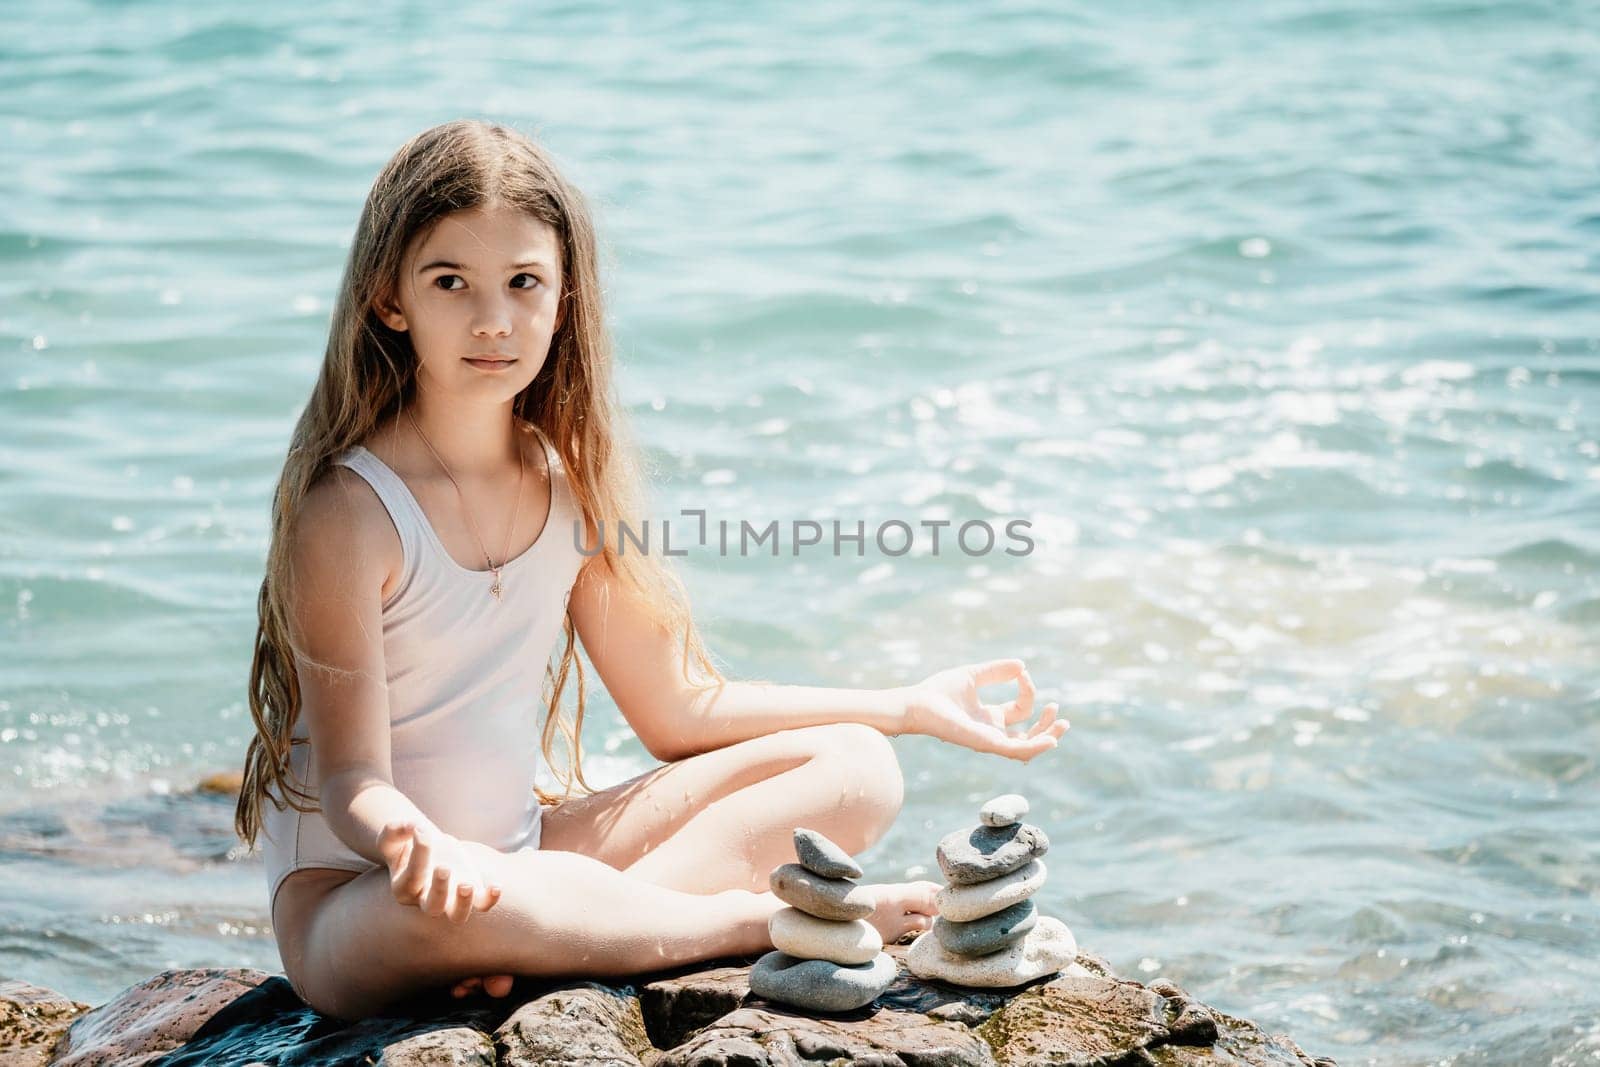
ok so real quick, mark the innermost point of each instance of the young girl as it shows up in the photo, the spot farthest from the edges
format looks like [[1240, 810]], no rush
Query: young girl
[[437, 527]]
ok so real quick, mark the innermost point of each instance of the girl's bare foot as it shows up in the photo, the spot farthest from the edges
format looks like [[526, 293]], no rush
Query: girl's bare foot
[[903, 908], [496, 985]]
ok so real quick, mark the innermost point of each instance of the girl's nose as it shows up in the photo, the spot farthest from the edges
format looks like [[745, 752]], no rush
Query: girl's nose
[[491, 318]]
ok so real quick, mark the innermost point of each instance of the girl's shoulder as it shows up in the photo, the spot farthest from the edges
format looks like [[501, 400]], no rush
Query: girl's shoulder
[[342, 526]]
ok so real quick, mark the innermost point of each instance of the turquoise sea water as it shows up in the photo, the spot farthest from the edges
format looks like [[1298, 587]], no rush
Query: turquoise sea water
[[1279, 322]]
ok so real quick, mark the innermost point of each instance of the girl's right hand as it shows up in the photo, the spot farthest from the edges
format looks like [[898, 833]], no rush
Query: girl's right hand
[[431, 870]]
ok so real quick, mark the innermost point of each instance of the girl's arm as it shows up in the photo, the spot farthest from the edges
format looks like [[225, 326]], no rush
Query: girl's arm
[[341, 551], [641, 665], [343, 548]]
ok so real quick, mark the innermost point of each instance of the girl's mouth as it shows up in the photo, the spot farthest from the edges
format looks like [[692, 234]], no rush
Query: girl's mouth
[[491, 364]]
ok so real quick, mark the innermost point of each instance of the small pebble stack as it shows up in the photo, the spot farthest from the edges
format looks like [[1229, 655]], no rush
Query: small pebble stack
[[826, 956], [989, 933]]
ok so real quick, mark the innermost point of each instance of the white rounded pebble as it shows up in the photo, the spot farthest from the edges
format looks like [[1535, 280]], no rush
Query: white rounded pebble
[[810, 938], [1004, 810], [963, 903]]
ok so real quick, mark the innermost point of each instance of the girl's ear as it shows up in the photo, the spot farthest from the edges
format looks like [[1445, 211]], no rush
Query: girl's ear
[[389, 312]]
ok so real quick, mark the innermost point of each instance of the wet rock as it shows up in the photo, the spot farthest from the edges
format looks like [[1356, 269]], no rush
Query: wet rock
[[221, 783], [152, 1018], [753, 1037], [679, 1003], [459, 1046], [1102, 1019], [175, 1019], [1078, 1019], [588, 1023], [961, 1011]]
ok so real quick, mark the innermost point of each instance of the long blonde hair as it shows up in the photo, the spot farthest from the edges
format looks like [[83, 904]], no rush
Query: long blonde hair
[[369, 372]]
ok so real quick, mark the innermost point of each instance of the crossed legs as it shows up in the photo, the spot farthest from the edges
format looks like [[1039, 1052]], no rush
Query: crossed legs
[[632, 878]]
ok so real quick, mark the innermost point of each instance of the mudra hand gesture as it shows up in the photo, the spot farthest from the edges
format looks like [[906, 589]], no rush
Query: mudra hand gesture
[[946, 705], [429, 869]]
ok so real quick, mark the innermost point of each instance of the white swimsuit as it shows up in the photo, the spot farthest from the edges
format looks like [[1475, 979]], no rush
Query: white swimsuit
[[465, 673]]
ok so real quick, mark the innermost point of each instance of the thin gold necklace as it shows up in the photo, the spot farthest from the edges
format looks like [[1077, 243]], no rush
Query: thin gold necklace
[[495, 588]]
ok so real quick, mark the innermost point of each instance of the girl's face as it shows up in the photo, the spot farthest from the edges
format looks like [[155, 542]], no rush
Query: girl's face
[[480, 298]]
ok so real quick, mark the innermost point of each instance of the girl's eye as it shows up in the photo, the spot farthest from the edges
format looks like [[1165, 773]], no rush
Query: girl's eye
[[457, 277]]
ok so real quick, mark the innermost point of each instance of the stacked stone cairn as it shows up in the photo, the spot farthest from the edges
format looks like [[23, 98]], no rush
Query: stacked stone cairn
[[826, 956], [988, 932]]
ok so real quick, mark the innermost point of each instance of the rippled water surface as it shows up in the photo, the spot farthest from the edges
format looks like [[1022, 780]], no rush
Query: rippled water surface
[[1279, 324]]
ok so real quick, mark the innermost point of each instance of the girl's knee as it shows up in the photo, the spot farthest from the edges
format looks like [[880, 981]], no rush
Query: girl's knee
[[868, 764]]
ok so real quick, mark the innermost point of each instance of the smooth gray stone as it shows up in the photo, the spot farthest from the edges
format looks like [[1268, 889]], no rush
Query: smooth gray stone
[[822, 857], [984, 853], [988, 934], [826, 898], [818, 985], [1004, 810]]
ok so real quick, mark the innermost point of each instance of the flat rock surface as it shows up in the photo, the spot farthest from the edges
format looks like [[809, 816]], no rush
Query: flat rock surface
[[885, 1039], [150, 1019], [588, 1023], [698, 1016]]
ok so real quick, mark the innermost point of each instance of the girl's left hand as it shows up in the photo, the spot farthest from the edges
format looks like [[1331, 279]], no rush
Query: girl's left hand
[[946, 705]]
